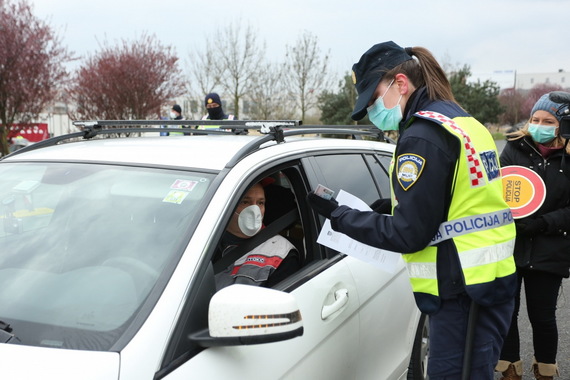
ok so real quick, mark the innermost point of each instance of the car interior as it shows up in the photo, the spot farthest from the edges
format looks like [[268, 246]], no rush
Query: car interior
[[281, 217]]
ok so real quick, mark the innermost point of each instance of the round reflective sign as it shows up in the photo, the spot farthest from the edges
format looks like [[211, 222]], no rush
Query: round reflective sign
[[523, 190]]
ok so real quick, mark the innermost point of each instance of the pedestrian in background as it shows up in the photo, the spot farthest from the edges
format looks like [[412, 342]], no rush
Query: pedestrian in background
[[542, 249], [213, 105], [175, 114], [214, 108], [449, 218]]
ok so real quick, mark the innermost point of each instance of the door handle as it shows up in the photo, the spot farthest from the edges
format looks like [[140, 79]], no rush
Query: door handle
[[341, 298]]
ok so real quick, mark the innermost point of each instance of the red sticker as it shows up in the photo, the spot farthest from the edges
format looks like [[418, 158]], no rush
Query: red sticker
[[183, 184]]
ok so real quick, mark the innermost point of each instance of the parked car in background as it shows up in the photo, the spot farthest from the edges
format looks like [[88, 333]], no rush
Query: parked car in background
[[106, 265]]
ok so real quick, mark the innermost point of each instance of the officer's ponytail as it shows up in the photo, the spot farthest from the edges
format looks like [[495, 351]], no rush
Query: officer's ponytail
[[425, 71]]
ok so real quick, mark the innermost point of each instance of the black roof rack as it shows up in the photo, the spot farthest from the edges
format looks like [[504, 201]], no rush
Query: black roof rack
[[271, 130]]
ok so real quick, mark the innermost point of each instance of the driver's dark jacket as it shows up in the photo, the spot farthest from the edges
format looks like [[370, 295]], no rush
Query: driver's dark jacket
[[548, 251], [423, 207]]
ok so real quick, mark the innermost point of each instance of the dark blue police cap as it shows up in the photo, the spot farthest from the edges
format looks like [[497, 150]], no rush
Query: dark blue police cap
[[367, 73]]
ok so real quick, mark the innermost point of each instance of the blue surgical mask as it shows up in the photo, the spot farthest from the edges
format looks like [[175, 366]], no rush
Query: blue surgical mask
[[384, 118], [542, 133]]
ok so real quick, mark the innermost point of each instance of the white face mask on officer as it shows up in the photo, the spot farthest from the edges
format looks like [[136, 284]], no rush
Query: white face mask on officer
[[250, 220]]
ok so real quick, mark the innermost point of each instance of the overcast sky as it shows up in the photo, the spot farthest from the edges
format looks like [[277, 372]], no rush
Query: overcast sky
[[526, 36]]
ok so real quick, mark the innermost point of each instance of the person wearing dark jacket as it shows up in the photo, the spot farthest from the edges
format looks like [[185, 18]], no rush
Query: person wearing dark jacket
[[448, 217], [175, 114], [542, 248], [213, 105]]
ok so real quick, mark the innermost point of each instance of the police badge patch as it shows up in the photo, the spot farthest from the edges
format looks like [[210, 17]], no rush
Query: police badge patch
[[409, 168], [491, 164]]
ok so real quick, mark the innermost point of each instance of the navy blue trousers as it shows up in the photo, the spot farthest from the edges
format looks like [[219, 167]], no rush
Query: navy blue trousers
[[448, 331]]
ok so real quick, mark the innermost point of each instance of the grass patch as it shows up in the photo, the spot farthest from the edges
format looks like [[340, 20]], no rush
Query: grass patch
[[498, 135]]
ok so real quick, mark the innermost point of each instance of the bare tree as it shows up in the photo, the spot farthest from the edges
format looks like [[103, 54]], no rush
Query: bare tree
[[305, 71], [232, 58], [204, 71], [269, 100], [31, 66], [204, 75], [512, 101], [128, 81]]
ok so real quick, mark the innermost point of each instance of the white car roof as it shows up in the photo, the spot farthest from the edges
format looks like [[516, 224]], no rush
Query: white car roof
[[207, 152]]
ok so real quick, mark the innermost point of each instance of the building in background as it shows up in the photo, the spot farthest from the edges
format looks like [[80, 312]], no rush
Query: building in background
[[528, 81], [523, 81]]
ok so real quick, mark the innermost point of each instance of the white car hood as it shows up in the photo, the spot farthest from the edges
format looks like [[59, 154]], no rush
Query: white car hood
[[26, 362]]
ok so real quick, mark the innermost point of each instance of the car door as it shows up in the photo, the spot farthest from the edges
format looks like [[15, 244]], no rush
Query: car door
[[326, 350], [326, 294], [388, 315]]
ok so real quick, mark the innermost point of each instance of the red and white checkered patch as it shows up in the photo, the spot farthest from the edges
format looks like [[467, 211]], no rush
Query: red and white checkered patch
[[473, 162]]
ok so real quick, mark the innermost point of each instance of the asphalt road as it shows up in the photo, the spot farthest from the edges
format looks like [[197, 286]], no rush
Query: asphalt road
[[563, 319]]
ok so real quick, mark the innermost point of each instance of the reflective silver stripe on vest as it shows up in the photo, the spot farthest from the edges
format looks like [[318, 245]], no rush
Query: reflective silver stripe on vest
[[422, 270], [486, 255], [474, 223], [469, 259]]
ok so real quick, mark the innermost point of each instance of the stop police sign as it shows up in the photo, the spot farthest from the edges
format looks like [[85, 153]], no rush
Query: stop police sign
[[523, 190]]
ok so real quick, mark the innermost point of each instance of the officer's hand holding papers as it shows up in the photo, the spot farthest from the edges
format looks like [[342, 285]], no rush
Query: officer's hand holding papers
[[385, 260]]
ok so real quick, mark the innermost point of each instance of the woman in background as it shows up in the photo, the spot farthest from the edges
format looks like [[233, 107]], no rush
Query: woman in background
[[542, 248]]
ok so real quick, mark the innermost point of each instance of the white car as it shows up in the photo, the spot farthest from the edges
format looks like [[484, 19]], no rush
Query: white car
[[106, 272]]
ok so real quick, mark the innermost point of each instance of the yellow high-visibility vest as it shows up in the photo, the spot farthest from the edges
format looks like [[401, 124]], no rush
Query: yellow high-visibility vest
[[230, 117], [479, 220]]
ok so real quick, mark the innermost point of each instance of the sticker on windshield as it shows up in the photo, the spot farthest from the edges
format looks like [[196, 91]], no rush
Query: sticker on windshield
[[175, 196], [183, 184]]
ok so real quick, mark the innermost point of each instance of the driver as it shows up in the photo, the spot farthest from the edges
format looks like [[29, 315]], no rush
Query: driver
[[265, 265]]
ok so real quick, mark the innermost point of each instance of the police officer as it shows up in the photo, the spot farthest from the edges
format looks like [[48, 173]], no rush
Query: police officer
[[213, 105], [448, 216]]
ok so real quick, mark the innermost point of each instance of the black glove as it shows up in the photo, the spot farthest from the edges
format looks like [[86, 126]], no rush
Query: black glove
[[325, 207], [531, 227], [382, 206]]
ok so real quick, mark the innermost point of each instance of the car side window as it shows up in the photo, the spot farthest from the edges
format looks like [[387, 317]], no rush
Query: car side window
[[379, 165], [350, 173], [261, 256]]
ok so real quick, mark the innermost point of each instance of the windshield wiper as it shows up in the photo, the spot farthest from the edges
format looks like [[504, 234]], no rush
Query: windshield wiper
[[5, 333]]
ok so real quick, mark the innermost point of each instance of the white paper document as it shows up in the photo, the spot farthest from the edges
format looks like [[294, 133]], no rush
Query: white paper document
[[385, 260]]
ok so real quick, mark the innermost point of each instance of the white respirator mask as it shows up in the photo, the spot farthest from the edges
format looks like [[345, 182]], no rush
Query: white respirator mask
[[250, 220]]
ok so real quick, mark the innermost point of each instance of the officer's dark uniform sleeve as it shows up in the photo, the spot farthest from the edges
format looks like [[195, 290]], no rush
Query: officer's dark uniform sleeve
[[421, 208]]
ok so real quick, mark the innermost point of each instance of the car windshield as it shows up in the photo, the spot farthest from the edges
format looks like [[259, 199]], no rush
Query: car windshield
[[83, 246]]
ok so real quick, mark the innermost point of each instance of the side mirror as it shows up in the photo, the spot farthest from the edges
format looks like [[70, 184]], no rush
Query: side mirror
[[245, 314]]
